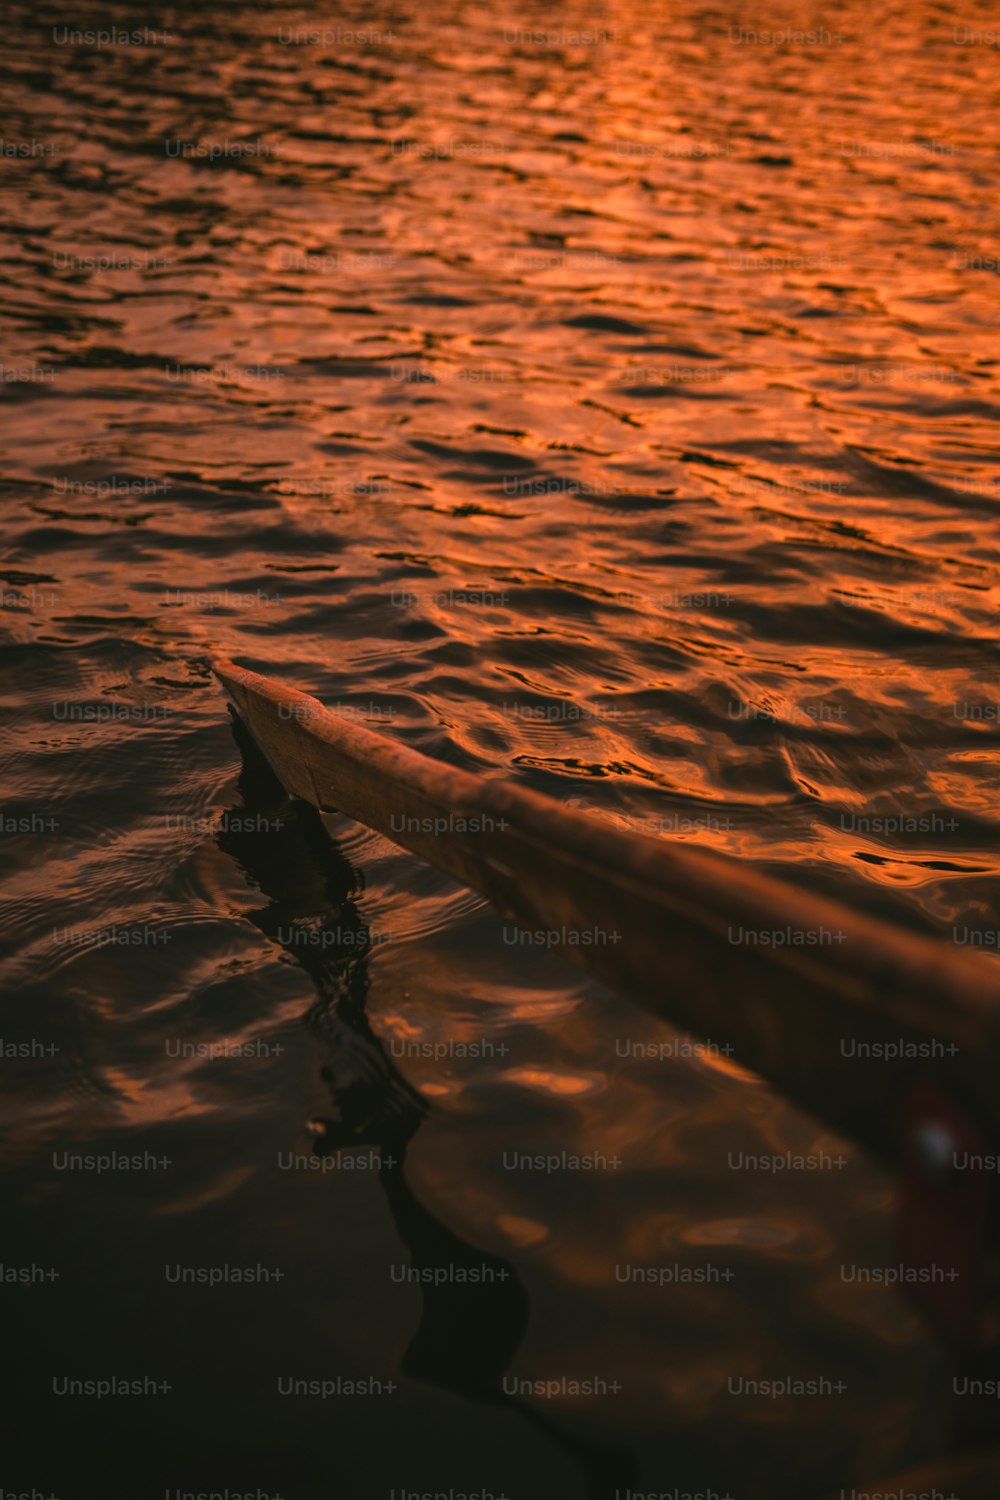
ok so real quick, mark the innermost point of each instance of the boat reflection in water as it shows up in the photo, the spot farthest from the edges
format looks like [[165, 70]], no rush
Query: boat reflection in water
[[475, 1316]]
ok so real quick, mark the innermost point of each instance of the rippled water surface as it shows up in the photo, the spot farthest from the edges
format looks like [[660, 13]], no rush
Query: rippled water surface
[[615, 415]]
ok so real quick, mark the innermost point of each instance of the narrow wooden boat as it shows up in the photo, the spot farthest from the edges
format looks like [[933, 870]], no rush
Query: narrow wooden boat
[[681, 931], [891, 1037]]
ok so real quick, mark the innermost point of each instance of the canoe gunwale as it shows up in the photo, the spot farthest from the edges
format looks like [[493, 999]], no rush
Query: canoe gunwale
[[794, 1002]]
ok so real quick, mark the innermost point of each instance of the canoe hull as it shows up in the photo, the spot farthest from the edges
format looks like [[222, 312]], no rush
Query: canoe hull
[[798, 986]]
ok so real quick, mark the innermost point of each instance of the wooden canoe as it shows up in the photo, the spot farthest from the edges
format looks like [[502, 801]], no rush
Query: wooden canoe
[[679, 929]]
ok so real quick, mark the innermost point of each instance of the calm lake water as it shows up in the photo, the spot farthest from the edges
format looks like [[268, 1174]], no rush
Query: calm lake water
[[602, 399]]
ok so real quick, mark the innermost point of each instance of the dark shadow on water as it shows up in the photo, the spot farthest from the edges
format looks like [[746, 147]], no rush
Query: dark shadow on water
[[469, 1331]]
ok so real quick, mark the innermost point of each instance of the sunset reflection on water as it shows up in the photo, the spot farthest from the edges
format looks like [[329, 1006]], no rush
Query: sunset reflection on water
[[603, 399]]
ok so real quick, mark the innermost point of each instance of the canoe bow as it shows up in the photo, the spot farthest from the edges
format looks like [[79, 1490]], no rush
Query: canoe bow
[[842, 1012]]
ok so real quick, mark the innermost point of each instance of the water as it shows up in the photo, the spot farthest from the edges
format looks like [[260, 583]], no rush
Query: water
[[611, 414]]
